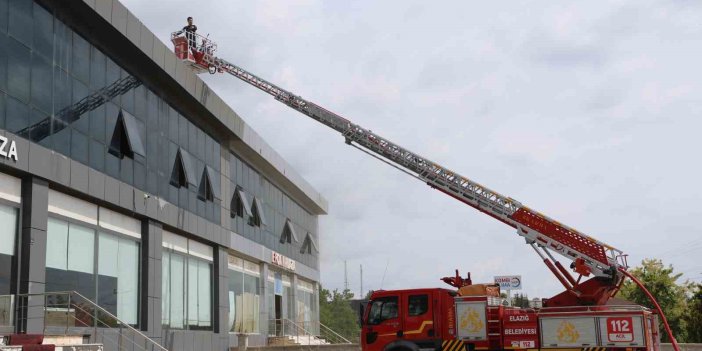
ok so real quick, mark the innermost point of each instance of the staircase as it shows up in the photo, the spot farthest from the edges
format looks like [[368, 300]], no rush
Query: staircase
[[284, 332], [68, 321]]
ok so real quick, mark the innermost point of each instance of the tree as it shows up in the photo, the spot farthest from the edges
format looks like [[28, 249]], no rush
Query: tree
[[520, 300], [336, 313], [661, 281], [694, 315]]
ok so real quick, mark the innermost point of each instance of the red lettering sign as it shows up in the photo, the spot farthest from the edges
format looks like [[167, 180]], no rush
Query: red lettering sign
[[620, 329]]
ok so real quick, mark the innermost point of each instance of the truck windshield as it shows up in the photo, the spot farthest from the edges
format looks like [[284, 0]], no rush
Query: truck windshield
[[382, 309]]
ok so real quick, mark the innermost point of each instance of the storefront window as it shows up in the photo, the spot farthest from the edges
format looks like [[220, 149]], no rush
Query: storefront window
[[186, 284], [71, 261], [8, 234], [244, 296], [306, 306]]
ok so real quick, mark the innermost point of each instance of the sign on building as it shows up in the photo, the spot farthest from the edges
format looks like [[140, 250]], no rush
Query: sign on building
[[509, 282], [626, 331], [282, 261], [8, 148]]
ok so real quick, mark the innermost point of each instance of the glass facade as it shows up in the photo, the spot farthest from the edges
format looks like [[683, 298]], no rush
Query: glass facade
[[8, 240], [186, 284], [101, 266], [244, 296], [277, 208], [306, 302], [59, 90]]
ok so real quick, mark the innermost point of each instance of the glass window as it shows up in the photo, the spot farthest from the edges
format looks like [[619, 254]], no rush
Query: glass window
[[177, 291], [20, 21], [3, 16], [3, 58], [8, 234], [42, 83], [43, 31], [79, 147], [199, 294], [75, 272], [18, 68], [97, 69], [244, 299], [382, 309], [8, 230], [165, 288], [118, 276], [71, 261], [57, 244], [81, 248], [418, 305], [81, 58]]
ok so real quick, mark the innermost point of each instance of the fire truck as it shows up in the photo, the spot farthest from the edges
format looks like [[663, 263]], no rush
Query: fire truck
[[470, 316]]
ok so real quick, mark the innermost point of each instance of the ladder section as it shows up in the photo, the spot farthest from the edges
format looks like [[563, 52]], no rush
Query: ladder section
[[494, 327], [533, 226]]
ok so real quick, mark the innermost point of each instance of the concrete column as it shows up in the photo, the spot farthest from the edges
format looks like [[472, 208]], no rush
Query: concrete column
[[151, 279], [263, 301], [32, 252], [221, 290]]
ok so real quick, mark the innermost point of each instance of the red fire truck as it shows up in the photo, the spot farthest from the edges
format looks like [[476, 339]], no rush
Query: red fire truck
[[470, 317], [442, 319]]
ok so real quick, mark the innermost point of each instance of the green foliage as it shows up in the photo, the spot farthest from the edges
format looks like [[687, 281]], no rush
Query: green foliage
[[521, 300], [663, 284], [694, 315], [336, 313]]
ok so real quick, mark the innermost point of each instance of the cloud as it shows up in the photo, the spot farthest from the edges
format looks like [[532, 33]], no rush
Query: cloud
[[587, 112]]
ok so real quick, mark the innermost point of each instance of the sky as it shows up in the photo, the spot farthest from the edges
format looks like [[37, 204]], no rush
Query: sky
[[590, 113]]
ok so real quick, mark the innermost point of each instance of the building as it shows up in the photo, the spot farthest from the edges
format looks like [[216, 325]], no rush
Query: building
[[125, 178]]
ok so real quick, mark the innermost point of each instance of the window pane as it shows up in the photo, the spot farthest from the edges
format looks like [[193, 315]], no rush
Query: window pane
[[204, 294], [251, 303], [192, 292], [43, 31], [17, 116], [3, 58], [81, 58], [107, 272], [236, 291], [18, 64], [128, 281], [165, 288], [8, 230], [418, 305], [177, 295], [57, 244], [81, 249], [20, 21], [42, 83], [8, 233]]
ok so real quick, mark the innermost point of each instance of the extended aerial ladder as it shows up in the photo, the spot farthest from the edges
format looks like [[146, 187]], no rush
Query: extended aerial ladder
[[545, 235]]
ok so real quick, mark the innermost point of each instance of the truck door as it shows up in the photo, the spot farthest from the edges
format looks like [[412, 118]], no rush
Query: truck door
[[418, 321], [383, 323]]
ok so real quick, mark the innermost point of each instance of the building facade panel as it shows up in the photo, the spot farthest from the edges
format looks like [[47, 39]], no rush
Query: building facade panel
[[114, 188]]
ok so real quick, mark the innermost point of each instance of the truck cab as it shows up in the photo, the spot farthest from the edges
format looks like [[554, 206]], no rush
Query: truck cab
[[407, 320]]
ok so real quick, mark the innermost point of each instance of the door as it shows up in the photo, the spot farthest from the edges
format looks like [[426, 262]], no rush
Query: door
[[418, 321], [383, 323], [279, 315]]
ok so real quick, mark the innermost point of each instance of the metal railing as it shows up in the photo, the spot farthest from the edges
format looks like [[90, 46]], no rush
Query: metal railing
[[306, 333], [70, 313]]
